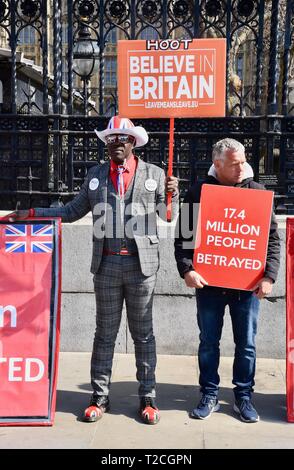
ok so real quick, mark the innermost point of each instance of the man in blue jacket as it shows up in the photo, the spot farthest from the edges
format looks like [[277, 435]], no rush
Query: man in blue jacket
[[229, 169]]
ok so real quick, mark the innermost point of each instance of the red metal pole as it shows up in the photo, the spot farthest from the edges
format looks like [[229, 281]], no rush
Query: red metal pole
[[170, 166]]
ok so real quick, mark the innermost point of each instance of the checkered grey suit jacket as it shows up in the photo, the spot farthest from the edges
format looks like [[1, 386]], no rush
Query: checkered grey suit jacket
[[143, 209]]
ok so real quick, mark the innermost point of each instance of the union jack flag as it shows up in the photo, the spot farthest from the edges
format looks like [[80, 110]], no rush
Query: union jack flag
[[22, 238]]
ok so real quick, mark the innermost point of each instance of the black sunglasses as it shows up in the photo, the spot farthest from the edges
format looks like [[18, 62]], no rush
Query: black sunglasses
[[121, 138]]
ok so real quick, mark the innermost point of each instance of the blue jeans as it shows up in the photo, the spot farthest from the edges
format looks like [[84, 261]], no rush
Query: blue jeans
[[244, 307]]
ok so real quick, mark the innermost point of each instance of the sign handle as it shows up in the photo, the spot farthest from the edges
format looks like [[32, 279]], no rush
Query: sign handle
[[170, 166]]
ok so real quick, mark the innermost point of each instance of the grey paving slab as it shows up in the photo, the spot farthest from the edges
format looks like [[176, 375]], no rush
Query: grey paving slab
[[177, 394]]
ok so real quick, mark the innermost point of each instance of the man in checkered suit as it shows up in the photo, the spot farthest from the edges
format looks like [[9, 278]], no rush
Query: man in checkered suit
[[124, 196]]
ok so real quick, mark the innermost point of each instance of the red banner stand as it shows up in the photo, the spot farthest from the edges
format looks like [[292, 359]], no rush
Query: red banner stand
[[290, 319], [174, 67], [170, 166], [30, 287]]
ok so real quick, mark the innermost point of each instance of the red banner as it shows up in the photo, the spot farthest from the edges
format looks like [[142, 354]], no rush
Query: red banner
[[29, 320], [232, 236], [290, 319]]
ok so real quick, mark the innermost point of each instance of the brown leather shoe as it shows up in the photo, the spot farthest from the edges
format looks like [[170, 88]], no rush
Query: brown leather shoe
[[98, 406]]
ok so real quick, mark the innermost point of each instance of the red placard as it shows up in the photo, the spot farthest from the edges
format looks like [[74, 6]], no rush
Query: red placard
[[232, 235], [290, 319], [29, 320], [172, 78]]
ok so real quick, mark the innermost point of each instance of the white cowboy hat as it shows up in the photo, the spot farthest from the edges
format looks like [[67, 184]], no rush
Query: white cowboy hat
[[118, 125]]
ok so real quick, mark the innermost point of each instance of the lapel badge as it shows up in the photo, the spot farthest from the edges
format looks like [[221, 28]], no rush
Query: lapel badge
[[94, 183], [150, 184]]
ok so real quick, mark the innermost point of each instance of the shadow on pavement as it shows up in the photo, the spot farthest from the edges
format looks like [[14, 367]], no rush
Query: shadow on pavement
[[124, 400]]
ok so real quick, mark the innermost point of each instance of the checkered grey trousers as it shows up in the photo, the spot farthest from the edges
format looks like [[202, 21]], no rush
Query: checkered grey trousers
[[120, 278]]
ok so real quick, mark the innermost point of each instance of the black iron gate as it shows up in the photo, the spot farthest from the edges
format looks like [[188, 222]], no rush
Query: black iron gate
[[47, 116]]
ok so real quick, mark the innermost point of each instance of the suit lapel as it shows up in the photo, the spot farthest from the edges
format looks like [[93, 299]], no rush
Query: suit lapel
[[140, 177], [103, 180]]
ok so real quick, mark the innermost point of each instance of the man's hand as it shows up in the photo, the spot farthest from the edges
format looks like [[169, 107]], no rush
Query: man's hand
[[18, 215], [171, 184], [263, 287], [193, 279]]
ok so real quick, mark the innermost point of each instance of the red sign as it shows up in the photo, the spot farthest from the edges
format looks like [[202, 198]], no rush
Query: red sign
[[172, 78], [29, 320], [232, 235], [290, 319]]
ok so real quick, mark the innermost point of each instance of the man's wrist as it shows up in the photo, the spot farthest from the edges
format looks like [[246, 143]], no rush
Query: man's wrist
[[188, 270]]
